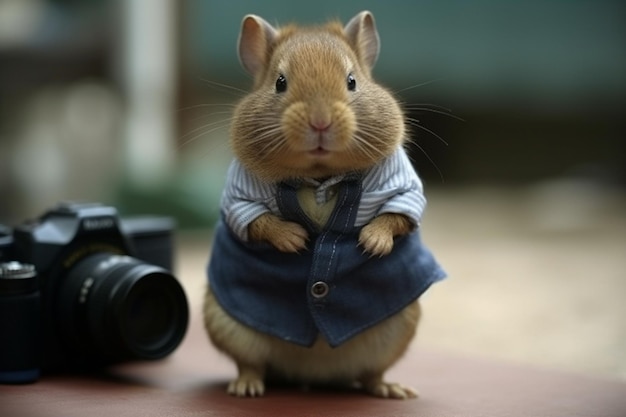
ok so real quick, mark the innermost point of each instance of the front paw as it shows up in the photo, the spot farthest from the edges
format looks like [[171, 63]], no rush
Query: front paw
[[283, 235], [375, 240], [377, 236], [289, 237]]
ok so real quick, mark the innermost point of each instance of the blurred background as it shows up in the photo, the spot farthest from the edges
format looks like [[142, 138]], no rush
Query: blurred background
[[128, 102]]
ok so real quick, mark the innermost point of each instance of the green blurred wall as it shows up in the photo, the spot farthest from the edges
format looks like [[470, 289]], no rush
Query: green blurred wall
[[541, 84], [553, 55]]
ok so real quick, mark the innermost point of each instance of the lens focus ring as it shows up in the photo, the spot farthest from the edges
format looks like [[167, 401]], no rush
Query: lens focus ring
[[123, 308]]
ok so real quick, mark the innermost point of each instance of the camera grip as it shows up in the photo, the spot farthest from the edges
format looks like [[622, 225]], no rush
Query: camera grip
[[20, 326]]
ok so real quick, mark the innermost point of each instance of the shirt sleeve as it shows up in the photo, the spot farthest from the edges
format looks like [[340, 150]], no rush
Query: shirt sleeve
[[394, 187], [245, 198]]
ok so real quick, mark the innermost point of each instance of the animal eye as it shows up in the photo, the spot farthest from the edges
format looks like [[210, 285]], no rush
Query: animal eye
[[281, 84], [351, 82]]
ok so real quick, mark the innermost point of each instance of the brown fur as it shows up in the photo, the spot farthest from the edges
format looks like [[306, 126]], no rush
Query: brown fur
[[362, 359], [274, 136], [268, 129]]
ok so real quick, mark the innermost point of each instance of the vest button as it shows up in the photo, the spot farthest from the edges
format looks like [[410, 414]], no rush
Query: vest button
[[319, 289]]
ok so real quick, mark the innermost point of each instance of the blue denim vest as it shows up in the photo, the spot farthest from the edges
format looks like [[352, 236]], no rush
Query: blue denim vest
[[333, 288]]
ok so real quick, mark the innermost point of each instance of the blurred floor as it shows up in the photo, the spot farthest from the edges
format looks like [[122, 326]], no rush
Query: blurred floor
[[536, 275]]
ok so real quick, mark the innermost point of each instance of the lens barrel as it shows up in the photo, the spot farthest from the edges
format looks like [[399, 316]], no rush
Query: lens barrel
[[20, 328], [116, 308]]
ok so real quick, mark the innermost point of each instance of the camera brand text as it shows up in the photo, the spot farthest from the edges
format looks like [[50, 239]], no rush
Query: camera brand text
[[98, 223]]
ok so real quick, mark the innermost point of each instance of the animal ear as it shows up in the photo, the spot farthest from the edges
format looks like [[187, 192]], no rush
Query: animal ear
[[362, 34], [254, 42]]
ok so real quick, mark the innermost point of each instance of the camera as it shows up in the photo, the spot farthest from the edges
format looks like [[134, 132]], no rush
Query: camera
[[103, 290]]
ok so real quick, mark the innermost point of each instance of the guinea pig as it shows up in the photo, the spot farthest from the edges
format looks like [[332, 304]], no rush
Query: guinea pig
[[317, 263]]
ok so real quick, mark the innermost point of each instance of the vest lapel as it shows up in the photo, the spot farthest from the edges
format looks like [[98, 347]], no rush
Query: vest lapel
[[343, 215]]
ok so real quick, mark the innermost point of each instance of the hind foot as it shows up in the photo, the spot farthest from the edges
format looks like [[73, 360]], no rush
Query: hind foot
[[249, 383], [382, 389]]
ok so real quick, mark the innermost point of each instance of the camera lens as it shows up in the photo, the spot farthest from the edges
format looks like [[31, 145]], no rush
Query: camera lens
[[115, 308], [150, 316]]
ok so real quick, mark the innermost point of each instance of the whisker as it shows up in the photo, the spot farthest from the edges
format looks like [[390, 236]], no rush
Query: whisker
[[205, 105], [212, 127], [265, 139], [268, 122], [210, 149], [269, 125], [420, 85], [445, 113], [416, 123], [226, 87], [269, 138], [205, 126], [275, 143], [428, 105], [412, 142], [276, 146], [209, 115], [366, 146]]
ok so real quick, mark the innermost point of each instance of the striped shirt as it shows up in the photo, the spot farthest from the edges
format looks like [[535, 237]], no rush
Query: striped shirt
[[392, 186]]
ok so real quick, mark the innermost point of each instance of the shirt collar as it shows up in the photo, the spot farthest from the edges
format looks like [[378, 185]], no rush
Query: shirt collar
[[325, 189]]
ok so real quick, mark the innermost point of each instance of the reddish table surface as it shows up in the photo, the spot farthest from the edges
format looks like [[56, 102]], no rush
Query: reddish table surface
[[191, 382]]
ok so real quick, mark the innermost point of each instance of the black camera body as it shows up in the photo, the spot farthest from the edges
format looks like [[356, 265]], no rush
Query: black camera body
[[107, 293]]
